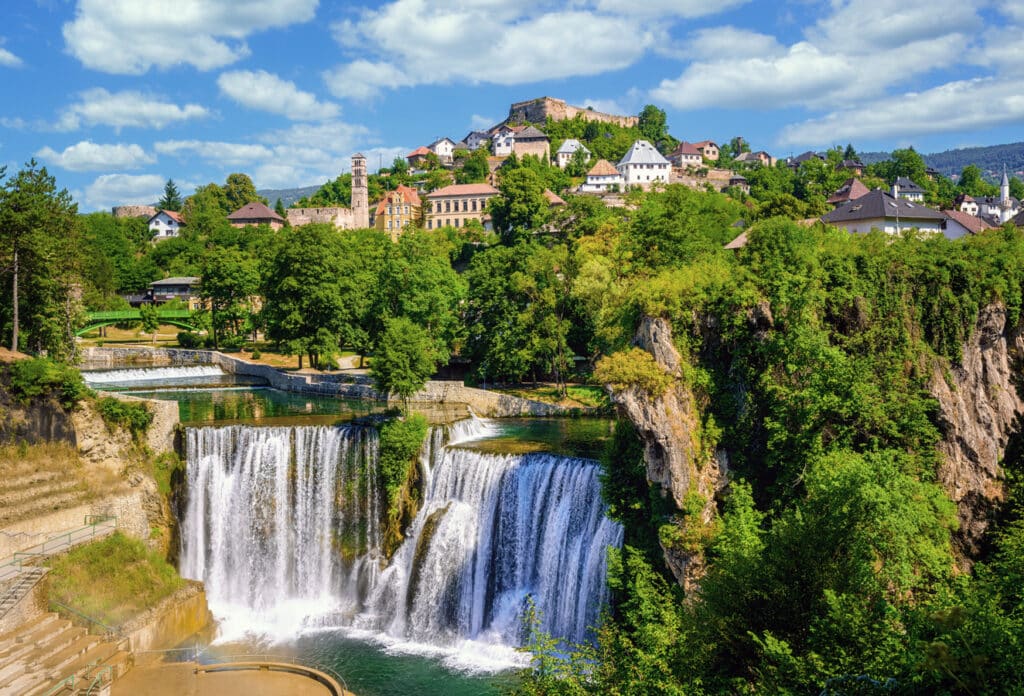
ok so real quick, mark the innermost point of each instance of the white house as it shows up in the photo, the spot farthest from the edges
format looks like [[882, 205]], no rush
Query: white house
[[906, 188], [165, 224], [502, 142], [568, 148], [877, 210], [475, 139], [643, 165], [966, 204], [601, 178], [686, 155], [443, 148]]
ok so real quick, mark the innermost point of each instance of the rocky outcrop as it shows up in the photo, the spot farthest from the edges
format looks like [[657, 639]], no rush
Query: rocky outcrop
[[979, 405], [670, 427]]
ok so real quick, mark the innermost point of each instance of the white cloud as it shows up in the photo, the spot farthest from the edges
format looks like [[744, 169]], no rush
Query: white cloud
[[1013, 9], [707, 44], [229, 154], [966, 105], [125, 109], [679, 8], [8, 59], [478, 122], [363, 79], [267, 92], [430, 42], [109, 190], [129, 37], [867, 26], [87, 156]]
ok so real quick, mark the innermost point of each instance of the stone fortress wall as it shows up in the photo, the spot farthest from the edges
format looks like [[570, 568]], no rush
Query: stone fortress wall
[[538, 110], [133, 211]]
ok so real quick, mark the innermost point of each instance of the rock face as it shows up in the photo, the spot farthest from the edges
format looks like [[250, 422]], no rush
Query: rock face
[[669, 426], [978, 414]]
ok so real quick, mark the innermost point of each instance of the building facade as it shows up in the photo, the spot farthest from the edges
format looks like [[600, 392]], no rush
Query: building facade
[[457, 205], [643, 166], [166, 224], [397, 210]]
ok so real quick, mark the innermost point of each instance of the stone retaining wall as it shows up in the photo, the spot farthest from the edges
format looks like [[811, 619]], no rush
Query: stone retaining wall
[[346, 386], [170, 623]]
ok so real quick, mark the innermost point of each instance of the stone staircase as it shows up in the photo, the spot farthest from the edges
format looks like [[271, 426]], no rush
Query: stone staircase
[[25, 493], [16, 590], [49, 656]]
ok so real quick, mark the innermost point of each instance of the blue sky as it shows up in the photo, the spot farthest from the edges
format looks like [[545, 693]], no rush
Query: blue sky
[[116, 96]]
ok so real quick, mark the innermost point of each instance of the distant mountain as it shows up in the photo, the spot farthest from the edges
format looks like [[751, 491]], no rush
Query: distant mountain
[[990, 159], [287, 196]]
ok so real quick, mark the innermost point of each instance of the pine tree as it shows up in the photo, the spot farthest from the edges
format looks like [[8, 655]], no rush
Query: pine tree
[[172, 197]]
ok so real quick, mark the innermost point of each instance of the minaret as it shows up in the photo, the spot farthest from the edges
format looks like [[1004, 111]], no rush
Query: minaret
[[360, 193], [1004, 198]]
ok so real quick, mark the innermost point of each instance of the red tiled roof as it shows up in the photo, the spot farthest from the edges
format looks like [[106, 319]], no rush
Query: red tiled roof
[[705, 143], [255, 211], [172, 215], [973, 224], [685, 148], [464, 190], [603, 168], [406, 194], [851, 190], [420, 151]]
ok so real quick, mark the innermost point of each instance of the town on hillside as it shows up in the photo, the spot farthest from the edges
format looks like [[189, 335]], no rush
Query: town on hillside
[[578, 151]]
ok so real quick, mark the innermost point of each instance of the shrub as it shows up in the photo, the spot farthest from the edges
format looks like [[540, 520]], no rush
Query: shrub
[[635, 367], [41, 376], [256, 355], [187, 339], [400, 442], [134, 416]]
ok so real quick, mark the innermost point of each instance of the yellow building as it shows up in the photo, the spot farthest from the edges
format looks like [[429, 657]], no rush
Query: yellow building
[[456, 205], [397, 210]]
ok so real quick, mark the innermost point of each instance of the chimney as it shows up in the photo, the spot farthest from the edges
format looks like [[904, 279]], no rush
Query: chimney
[[895, 190]]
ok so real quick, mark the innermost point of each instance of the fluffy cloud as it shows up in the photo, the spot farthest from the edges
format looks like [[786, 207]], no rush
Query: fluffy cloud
[[87, 156], [109, 190], [679, 8], [482, 41], [966, 105], [8, 59], [267, 92], [859, 51], [129, 37], [229, 154], [125, 109]]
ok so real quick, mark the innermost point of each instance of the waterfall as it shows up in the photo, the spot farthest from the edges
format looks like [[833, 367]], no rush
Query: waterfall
[[151, 374], [283, 525]]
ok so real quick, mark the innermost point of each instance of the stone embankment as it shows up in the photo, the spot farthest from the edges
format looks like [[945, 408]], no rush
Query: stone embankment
[[172, 622], [343, 385]]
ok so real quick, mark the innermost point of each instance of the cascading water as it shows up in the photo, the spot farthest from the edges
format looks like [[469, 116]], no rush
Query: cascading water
[[151, 374], [283, 526]]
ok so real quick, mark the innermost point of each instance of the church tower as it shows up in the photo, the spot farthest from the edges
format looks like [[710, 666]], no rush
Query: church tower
[[1005, 204], [360, 193]]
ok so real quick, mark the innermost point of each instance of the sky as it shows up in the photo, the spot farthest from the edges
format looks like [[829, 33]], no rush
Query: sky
[[116, 96]]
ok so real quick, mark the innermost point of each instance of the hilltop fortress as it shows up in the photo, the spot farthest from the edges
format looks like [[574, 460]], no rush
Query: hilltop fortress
[[538, 110]]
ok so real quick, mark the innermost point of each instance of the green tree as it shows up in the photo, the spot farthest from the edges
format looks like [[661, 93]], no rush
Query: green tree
[[229, 284], [279, 209], [405, 359], [239, 190], [973, 183], [475, 169], [39, 253], [653, 124], [150, 319], [305, 309], [522, 208], [171, 199]]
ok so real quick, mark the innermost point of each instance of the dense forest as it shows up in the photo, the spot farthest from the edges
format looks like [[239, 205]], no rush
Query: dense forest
[[990, 159], [829, 559]]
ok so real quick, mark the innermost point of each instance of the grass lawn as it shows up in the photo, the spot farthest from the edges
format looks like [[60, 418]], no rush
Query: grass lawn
[[112, 580], [576, 396]]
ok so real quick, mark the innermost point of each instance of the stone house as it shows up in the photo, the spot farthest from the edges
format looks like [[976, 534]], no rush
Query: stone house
[[708, 150], [397, 210], [531, 141], [566, 151], [255, 214], [739, 182], [165, 224], [457, 205], [418, 157], [643, 166]]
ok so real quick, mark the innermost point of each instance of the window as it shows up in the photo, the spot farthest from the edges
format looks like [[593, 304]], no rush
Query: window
[[465, 205], [474, 205], [447, 206]]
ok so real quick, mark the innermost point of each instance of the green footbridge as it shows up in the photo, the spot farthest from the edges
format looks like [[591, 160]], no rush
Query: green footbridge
[[174, 317]]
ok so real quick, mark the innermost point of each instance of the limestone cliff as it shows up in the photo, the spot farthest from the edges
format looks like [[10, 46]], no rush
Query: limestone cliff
[[979, 405], [670, 427]]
